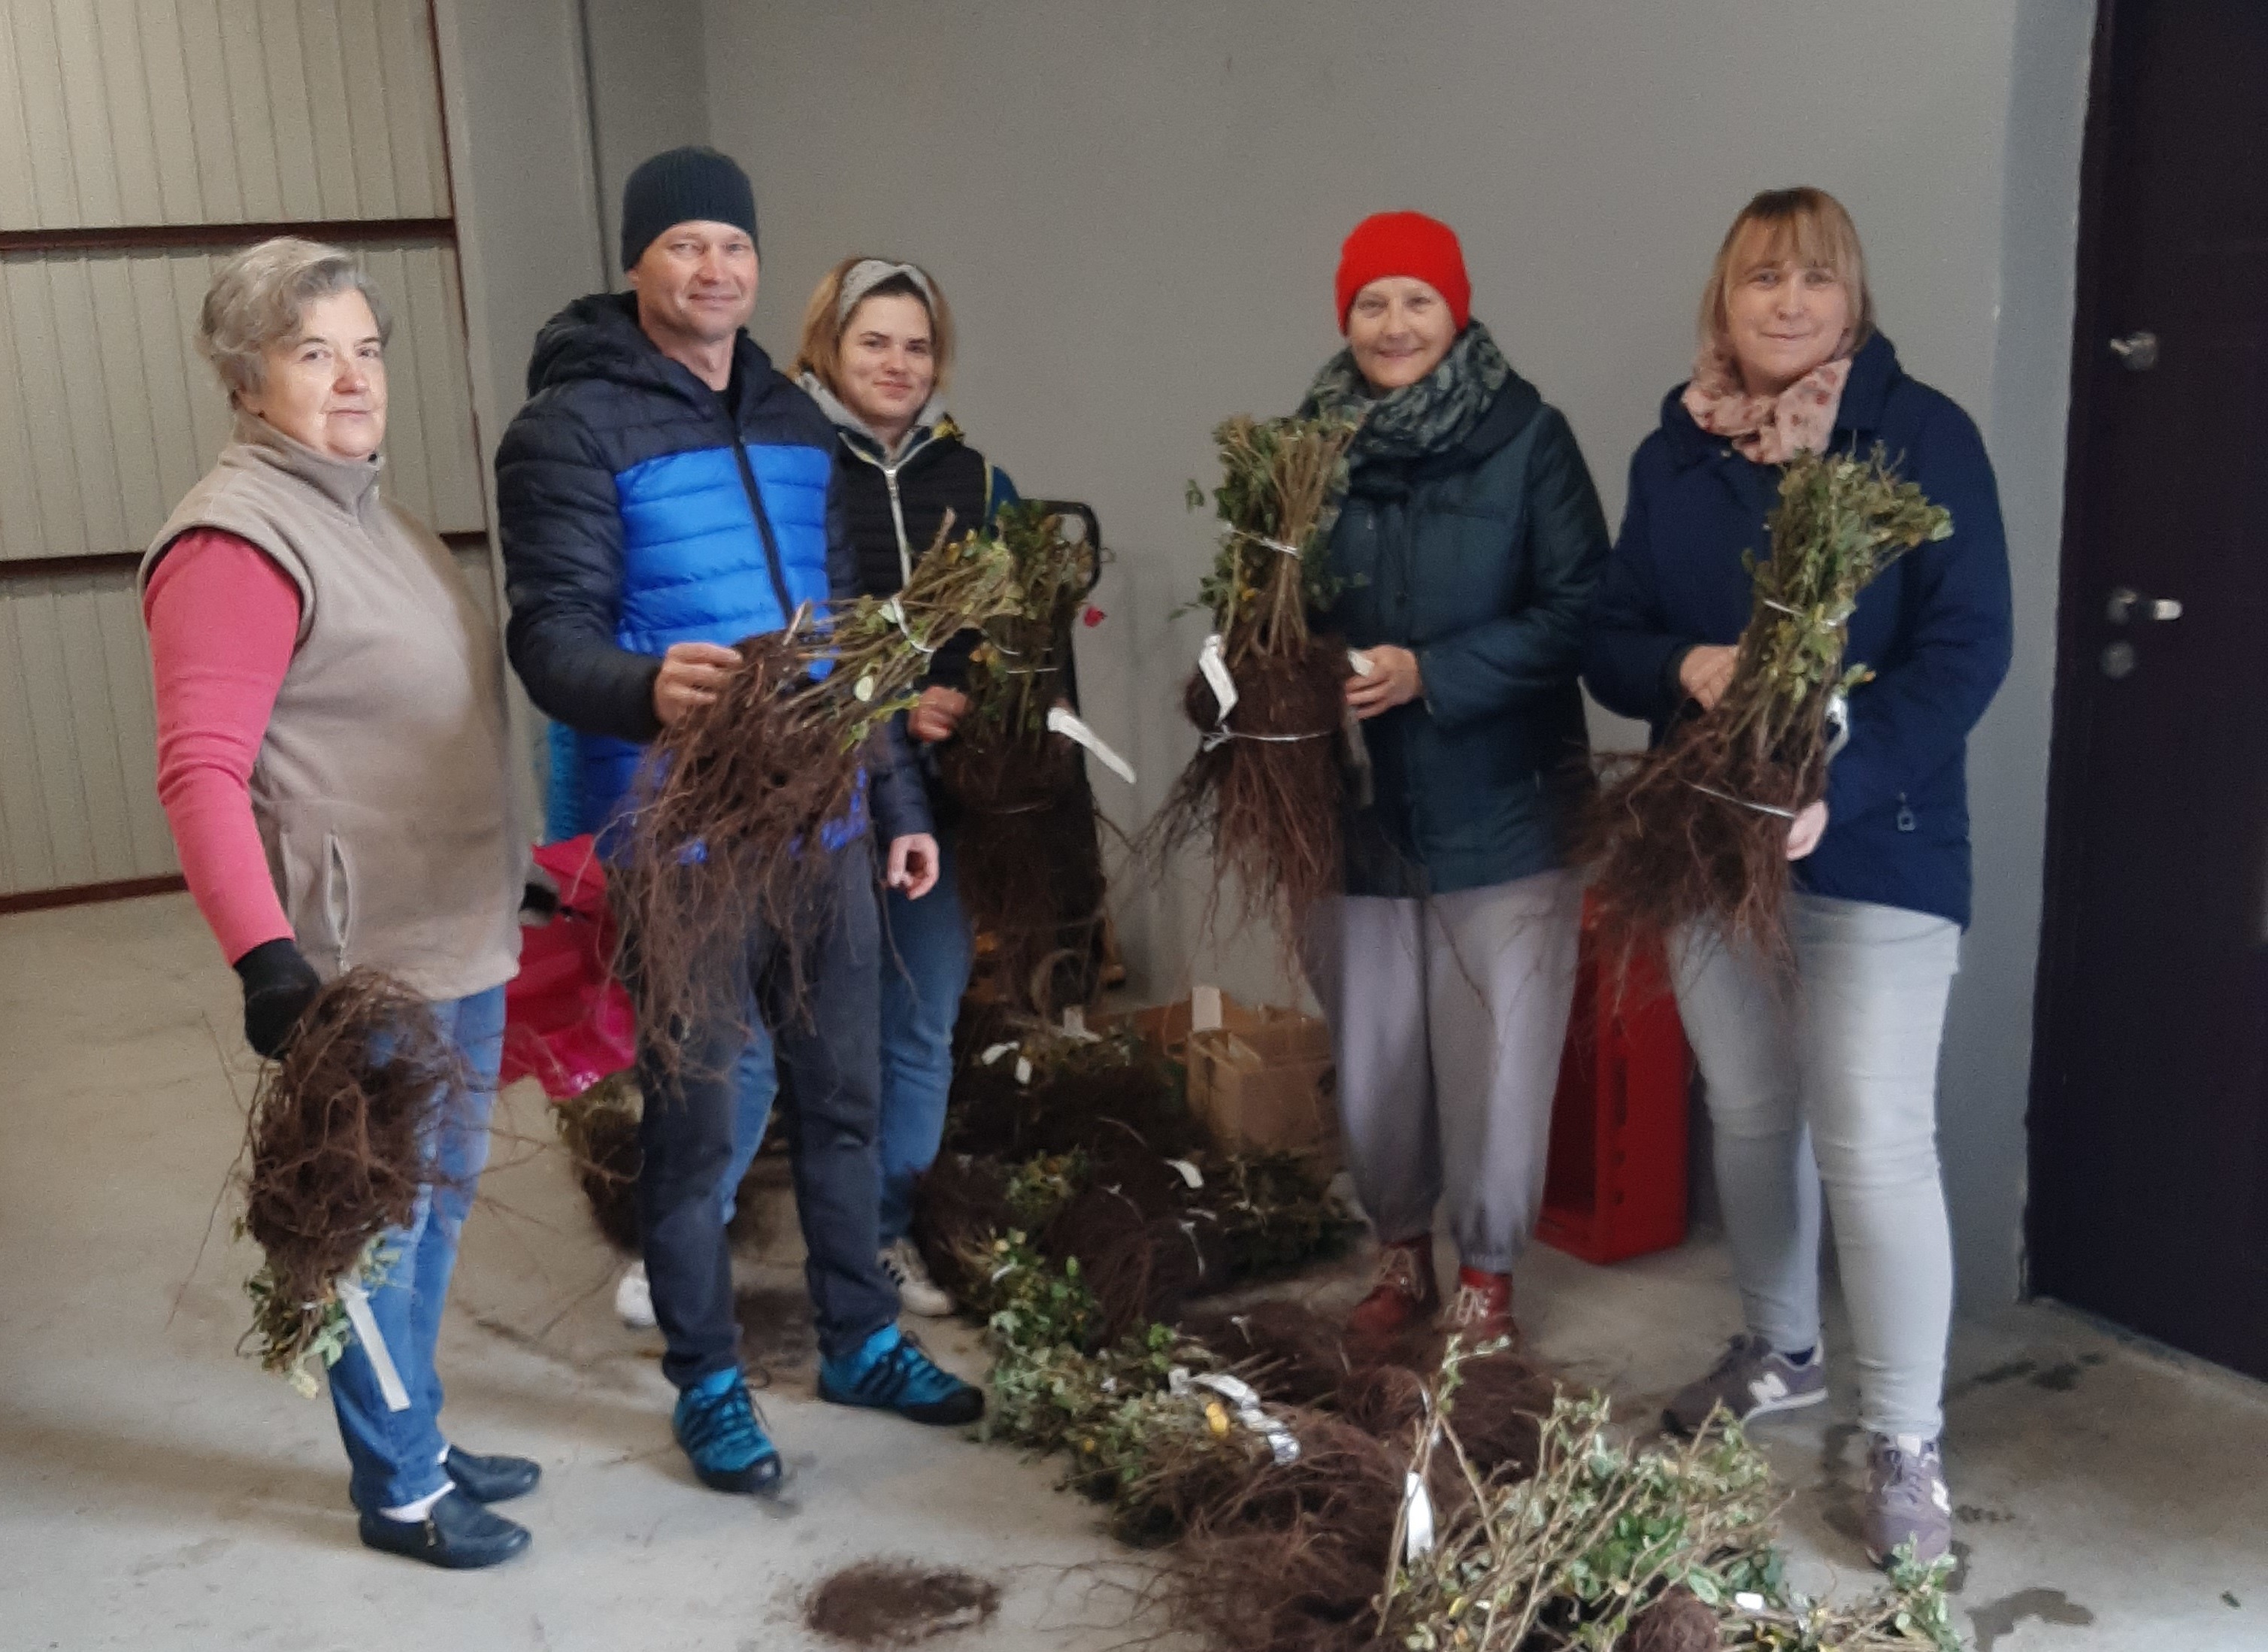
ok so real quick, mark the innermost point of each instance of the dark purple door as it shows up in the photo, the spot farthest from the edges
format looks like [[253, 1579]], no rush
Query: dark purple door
[[2150, 1097]]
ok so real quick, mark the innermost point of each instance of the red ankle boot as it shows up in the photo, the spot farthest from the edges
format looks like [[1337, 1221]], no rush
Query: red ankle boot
[[1403, 1292], [1482, 1311]]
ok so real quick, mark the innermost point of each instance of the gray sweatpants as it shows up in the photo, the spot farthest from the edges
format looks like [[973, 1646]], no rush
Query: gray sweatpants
[[1831, 1078], [1447, 1015]]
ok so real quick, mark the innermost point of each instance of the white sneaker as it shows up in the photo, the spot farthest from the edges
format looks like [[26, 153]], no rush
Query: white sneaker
[[634, 1298], [917, 1292]]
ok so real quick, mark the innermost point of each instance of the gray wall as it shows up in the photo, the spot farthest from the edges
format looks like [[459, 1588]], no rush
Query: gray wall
[[1136, 209]]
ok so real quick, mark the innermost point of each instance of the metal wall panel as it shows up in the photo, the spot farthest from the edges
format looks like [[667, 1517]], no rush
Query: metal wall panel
[[78, 789], [150, 111], [108, 414]]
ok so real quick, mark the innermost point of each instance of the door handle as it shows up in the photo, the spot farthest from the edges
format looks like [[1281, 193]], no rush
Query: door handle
[[2137, 352], [2127, 605]]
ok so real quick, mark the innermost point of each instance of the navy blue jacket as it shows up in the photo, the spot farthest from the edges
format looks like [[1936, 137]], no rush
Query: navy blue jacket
[[1479, 560], [623, 489], [1936, 628]]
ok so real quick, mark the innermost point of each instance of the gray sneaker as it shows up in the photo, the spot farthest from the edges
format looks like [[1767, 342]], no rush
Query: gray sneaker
[[1907, 1502], [1750, 1379]]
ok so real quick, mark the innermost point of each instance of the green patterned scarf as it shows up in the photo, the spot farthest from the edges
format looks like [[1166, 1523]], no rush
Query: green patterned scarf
[[1430, 416]]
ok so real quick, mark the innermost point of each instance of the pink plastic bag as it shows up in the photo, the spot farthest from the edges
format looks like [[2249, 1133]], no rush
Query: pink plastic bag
[[567, 1020]]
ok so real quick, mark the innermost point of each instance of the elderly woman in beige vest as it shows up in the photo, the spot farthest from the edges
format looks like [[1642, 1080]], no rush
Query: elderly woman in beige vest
[[332, 759]]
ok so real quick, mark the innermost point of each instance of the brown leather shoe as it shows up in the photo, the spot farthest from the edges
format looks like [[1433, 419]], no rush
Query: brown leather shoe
[[1482, 1309], [1403, 1292]]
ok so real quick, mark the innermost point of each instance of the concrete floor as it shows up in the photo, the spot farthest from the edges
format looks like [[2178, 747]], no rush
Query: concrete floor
[[156, 1491]]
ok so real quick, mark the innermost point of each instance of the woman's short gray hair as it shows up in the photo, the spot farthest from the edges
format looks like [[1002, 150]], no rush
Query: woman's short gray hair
[[256, 300]]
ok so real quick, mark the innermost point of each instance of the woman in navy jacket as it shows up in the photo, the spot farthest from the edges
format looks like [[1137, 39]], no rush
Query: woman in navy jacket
[[1829, 1079]]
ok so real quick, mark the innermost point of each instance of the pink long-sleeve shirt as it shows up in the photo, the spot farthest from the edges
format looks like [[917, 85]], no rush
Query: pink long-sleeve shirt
[[224, 620]]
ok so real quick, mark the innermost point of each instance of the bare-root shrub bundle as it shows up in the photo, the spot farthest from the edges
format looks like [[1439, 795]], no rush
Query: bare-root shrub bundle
[[1030, 866], [1083, 1150], [1309, 1492], [1263, 792], [1696, 830], [336, 1150], [739, 801]]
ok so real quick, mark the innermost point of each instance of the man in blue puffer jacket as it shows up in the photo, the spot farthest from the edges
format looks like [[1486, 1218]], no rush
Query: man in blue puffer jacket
[[664, 494]]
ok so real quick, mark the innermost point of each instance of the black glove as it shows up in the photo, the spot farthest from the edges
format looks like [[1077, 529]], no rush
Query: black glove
[[279, 983]]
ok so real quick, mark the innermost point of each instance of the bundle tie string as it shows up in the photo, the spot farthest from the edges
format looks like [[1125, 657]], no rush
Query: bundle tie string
[[1276, 545], [1761, 809], [1221, 736]]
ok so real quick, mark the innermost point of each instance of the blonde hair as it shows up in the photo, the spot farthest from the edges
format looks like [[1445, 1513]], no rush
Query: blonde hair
[[820, 351], [257, 298], [1808, 227]]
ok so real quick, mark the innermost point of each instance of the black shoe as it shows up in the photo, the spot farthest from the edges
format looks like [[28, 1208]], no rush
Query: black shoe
[[492, 1479], [457, 1534]]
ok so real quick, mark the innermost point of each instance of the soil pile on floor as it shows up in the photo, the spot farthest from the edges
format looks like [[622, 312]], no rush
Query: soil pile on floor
[[898, 1604]]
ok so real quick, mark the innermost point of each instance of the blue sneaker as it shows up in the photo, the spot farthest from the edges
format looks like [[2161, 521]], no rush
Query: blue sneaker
[[716, 1423], [889, 1372]]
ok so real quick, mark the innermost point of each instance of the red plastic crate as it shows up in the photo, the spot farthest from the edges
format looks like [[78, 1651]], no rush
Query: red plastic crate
[[1616, 1184]]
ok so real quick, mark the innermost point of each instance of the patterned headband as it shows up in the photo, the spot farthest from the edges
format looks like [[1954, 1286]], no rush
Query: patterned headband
[[870, 273]]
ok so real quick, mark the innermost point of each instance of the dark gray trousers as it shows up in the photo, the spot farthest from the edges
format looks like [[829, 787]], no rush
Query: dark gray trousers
[[828, 1047]]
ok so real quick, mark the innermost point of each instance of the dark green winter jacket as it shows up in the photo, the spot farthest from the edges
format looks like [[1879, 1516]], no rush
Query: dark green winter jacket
[[1479, 559]]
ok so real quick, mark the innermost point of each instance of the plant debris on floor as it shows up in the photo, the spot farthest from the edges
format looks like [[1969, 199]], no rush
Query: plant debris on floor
[[1304, 1491], [898, 1604]]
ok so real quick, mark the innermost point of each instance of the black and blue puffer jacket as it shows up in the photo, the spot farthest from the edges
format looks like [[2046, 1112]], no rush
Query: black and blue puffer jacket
[[640, 508]]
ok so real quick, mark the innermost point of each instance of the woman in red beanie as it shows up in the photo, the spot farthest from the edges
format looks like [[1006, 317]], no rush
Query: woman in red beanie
[[1469, 542]]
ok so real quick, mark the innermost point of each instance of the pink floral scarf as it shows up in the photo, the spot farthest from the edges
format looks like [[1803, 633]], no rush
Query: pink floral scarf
[[1770, 430]]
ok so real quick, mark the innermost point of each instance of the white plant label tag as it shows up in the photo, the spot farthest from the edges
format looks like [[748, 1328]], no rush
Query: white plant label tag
[[357, 1301], [1190, 1174], [1023, 1069], [1216, 674], [1418, 1529], [1359, 661], [1204, 1008], [1065, 722]]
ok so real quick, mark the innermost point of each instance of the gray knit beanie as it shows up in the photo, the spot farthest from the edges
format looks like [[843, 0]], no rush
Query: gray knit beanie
[[679, 185]]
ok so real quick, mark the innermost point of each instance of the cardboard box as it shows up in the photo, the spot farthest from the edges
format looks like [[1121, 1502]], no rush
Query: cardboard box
[[1261, 1078]]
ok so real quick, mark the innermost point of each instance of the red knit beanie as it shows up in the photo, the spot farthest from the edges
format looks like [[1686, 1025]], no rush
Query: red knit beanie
[[1405, 244]]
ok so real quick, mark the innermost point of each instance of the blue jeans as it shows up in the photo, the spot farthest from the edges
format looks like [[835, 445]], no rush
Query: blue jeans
[[396, 1455], [927, 951], [755, 1080]]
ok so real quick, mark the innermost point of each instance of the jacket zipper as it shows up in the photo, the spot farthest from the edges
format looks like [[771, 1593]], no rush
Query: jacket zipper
[[772, 565], [1905, 815], [890, 469], [898, 520]]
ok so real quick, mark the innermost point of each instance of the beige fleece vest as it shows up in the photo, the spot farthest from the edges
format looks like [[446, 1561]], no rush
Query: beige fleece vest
[[380, 787]]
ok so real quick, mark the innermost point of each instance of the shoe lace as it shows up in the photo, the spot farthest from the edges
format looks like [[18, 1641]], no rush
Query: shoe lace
[[726, 1424], [903, 1263], [1472, 1305], [907, 1372], [1398, 1270], [1906, 1481]]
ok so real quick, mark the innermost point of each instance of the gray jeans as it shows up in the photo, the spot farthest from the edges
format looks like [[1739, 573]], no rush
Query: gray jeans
[[1830, 1078], [1447, 1016]]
